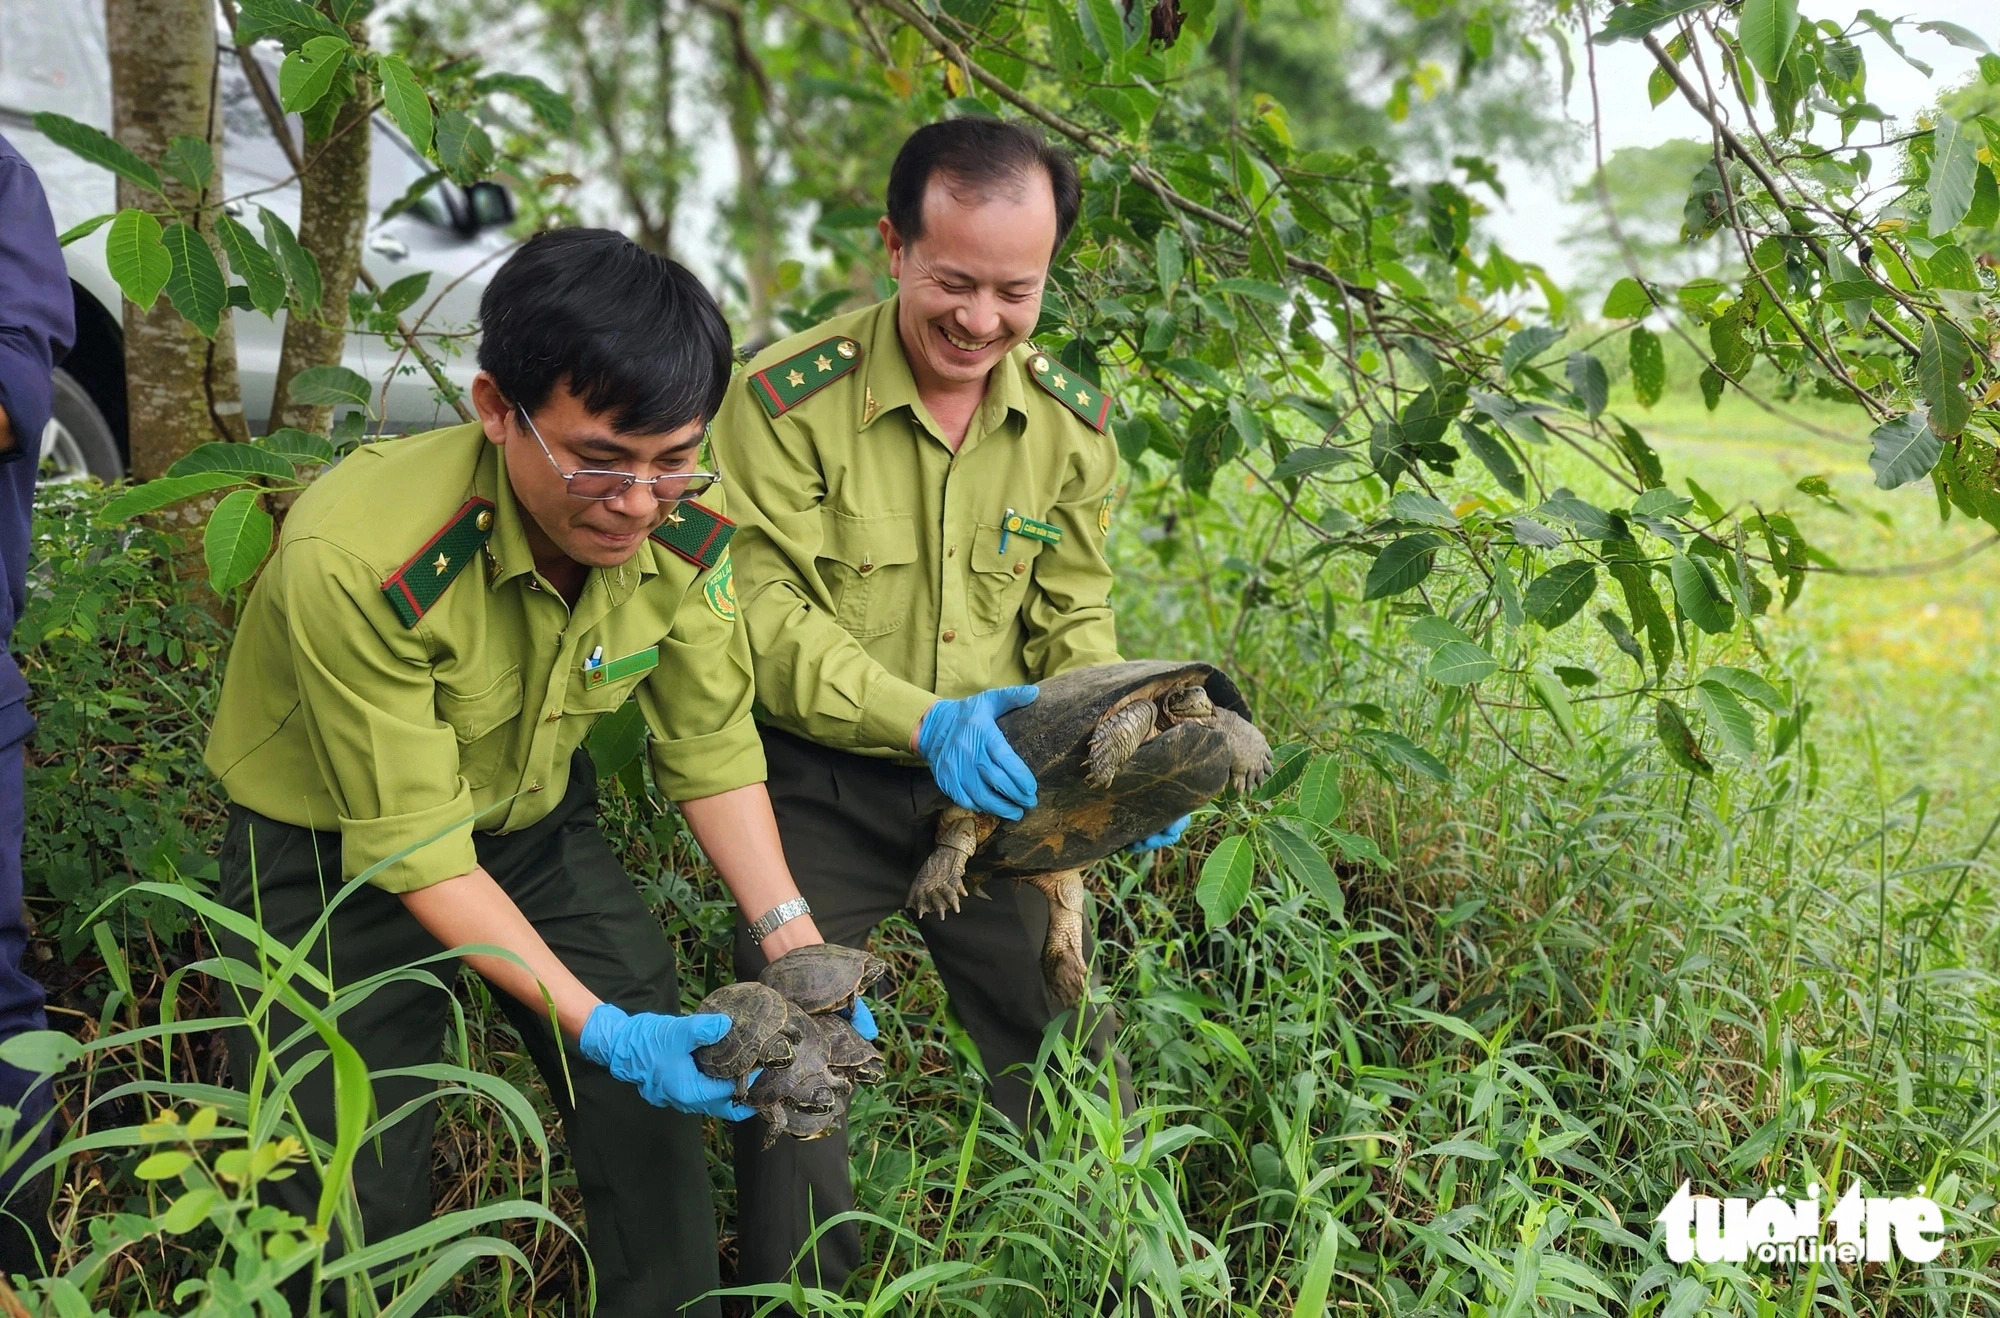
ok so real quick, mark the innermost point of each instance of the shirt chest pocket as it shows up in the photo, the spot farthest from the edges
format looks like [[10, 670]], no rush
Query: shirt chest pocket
[[999, 579], [484, 720], [593, 693], [867, 564]]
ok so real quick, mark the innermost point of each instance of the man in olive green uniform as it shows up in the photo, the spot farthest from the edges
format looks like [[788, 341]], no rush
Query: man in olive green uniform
[[923, 501], [414, 676]]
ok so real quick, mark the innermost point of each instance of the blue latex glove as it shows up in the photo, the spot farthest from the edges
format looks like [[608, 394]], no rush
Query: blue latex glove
[[970, 757], [656, 1053], [1166, 837], [862, 1019]]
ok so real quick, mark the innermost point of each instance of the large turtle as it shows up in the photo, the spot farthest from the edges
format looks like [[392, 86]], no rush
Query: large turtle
[[822, 976], [762, 1034], [1119, 751]]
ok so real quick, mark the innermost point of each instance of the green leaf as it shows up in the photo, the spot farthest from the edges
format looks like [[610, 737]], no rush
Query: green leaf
[[1199, 373], [1627, 300], [189, 1211], [1649, 366], [85, 229], [1629, 22], [617, 739], [1304, 461], [1549, 693], [1766, 32], [1400, 566], [308, 72], [405, 101], [1678, 739], [1728, 717], [1260, 289], [1306, 862], [1168, 258], [463, 147], [1701, 597], [43, 1052], [1942, 354], [1460, 663], [1956, 35], [1586, 376], [1950, 267], [137, 258], [236, 541], [1733, 353], [154, 494], [1395, 748], [1954, 162], [300, 268], [292, 22], [194, 281], [1660, 502], [1905, 449], [1493, 455], [252, 264], [549, 106], [1318, 1277], [1526, 345], [398, 296], [190, 160], [299, 446], [1431, 631], [1590, 521], [1225, 880], [165, 1163], [1711, 387], [1622, 637], [1747, 684], [329, 386], [237, 459], [97, 148], [1320, 797], [1560, 593], [1291, 759], [1415, 506]]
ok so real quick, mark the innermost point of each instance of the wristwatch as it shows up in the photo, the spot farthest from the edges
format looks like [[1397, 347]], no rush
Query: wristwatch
[[782, 913]]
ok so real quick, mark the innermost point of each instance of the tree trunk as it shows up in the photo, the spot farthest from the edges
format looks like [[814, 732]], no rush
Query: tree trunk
[[181, 388], [333, 216]]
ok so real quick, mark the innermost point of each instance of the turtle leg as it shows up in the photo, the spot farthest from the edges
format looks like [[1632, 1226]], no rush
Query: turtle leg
[[774, 1118], [1062, 954], [941, 881], [1116, 737], [1249, 753]]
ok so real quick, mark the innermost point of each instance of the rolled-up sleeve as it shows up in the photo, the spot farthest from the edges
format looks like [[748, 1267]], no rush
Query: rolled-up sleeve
[[697, 703], [1068, 609], [369, 701], [37, 311]]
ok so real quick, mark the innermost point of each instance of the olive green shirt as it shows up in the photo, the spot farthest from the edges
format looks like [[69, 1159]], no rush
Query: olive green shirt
[[335, 715], [869, 558]]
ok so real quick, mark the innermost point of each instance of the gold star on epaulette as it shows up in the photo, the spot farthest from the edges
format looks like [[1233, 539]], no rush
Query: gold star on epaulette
[[1061, 381], [795, 378], [822, 363], [441, 564], [1082, 398]]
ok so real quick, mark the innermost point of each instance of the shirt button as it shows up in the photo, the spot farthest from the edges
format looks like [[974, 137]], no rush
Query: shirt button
[[951, 551], [948, 637], [534, 584], [554, 714], [535, 788], [1019, 568], [867, 567]]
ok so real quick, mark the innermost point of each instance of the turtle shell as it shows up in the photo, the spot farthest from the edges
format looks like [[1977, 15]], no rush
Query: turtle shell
[[808, 1085], [761, 1031], [847, 1053], [1170, 775], [822, 976]]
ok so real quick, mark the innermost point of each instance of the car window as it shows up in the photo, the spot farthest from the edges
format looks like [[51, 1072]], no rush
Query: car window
[[52, 57], [393, 167]]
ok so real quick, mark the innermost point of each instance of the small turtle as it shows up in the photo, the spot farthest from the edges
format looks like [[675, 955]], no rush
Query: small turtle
[[847, 1053], [808, 1098], [762, 1033], [822, 977], [1119, 751]]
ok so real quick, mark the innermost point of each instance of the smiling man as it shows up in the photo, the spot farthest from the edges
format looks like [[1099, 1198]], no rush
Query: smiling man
[[924, 499], [407, 700]]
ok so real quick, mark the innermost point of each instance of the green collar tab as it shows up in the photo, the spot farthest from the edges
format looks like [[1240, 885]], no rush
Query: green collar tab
[[415, 587], [1015, 524], [1073, 392], [782, 387], [695, 532]]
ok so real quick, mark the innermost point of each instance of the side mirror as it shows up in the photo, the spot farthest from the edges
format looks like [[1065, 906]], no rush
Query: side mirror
[[491, 205]]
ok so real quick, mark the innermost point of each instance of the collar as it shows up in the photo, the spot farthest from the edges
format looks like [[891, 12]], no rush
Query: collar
[[888, 384]]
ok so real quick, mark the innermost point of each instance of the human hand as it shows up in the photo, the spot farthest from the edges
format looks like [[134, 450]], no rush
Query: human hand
[[969, 755], [656, 1053], [1166, 837]]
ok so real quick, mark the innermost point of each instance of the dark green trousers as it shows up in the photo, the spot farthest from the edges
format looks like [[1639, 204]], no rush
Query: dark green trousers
[[649, 1214], [855, 831]]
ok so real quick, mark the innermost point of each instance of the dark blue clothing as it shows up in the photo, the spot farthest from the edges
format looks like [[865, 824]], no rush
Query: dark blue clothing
[[37, 327]]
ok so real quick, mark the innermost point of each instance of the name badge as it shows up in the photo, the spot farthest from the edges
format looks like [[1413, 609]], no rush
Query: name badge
[[619, 669], [1015, 524]]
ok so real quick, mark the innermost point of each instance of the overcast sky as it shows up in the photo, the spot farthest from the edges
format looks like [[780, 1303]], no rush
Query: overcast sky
[[1531, 224]]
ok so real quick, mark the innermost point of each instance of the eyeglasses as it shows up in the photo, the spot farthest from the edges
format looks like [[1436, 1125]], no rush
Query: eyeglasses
[[601, 485]]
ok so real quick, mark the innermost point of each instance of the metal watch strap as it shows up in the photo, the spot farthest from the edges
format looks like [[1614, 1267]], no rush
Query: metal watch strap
[[782, 913]]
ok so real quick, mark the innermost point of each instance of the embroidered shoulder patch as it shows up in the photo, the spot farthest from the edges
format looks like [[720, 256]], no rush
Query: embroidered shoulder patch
[[1104, 511], [782, 387], [417, 585], [720, 590], [1078, 395], [695, 532]]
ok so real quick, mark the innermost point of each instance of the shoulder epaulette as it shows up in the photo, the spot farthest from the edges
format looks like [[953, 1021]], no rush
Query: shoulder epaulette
[[695, 532], [1073, 392], [414, 587], [782, 387]]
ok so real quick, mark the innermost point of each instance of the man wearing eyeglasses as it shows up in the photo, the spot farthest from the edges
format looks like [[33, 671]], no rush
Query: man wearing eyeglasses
[[416, 671]]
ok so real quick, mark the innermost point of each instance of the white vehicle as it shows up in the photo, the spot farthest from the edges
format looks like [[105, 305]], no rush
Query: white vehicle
[[53, 57]]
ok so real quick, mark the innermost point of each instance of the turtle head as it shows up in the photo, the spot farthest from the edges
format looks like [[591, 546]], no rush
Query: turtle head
[[1187, 704]]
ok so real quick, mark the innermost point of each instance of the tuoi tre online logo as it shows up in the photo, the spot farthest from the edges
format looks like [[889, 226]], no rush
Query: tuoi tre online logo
[[1777, 1230]]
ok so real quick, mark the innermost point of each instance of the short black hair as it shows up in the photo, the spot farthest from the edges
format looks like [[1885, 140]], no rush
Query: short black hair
[[981, 156], [632, 334]]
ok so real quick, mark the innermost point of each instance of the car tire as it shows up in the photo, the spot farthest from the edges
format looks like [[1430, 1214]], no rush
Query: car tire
[[78, 441]]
